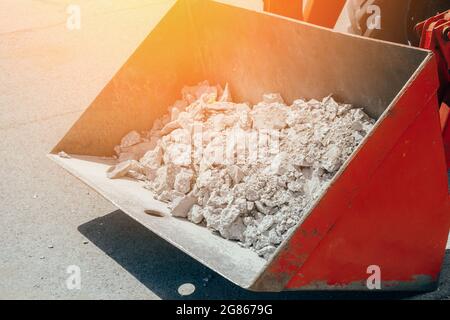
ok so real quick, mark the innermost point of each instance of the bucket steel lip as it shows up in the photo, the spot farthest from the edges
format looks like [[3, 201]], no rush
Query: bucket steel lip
[[246, 268]]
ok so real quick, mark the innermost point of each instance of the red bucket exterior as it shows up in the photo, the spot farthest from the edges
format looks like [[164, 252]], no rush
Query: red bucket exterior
[[390, 209]]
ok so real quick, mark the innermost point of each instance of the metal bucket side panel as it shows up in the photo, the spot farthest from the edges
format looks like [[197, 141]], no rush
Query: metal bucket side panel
[[352, 179], [398, 223], [142, 90]]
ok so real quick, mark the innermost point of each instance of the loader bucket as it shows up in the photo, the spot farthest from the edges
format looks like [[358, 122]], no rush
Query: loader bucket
[[386, 213]]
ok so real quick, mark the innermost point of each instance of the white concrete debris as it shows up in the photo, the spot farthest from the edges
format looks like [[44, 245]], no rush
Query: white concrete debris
[[248, 173], [64, 155]]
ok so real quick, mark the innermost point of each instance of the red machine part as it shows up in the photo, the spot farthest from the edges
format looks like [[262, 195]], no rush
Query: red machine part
[[319, 12], [324, 13], [445, 108], [287, 8], [435, 36]]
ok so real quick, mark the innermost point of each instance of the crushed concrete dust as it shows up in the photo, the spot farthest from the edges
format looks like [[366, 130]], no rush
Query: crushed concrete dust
[[249, 173]]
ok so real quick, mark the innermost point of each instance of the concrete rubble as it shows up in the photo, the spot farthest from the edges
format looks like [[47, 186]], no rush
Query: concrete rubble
[[249, 173]]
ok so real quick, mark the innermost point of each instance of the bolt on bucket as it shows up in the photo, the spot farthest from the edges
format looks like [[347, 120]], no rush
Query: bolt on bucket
[[386, 213]]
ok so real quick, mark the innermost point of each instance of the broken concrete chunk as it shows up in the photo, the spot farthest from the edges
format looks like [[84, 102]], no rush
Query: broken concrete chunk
[[236, 174], [186, 121], [263, 208], [267, 252], [181, 105], [269, 117], [274, 238], [174, 114], [266, 223], [152, 158], [130, 139], [180, 135], [252, 194], [117, 150], [122, 169], [270, 98], [280, 164], [359, 114], [219, 107], [164, 179], [357, 125], [296, 186], [126, 156], [192, 94], [151, 162], [226, 95], [157, 125], [229, 224], [64, 155], [331, 160], [195, 214], [181, 206], [183, 181], [135, 152], [168, 196], [136, 175], [178, 154], [169, 127], [250, 206], [234, 231]]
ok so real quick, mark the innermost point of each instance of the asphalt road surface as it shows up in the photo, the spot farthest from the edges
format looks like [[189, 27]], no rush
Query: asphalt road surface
[[48, 219]]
